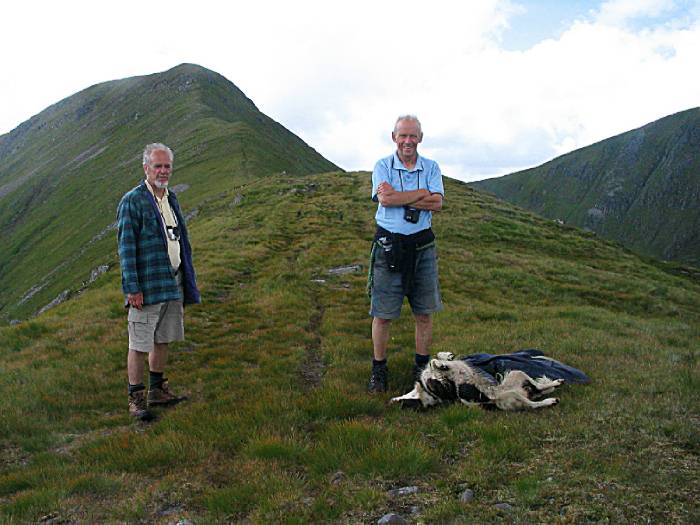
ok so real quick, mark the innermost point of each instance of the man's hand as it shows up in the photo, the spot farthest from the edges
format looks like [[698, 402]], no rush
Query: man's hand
[[385, 189], [430, 202], [135, 300]]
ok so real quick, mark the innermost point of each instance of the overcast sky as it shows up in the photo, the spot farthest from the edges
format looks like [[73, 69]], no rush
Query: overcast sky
[[498, 85]]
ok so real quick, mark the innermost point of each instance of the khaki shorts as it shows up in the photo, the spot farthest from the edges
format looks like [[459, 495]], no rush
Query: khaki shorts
[[156, 323]]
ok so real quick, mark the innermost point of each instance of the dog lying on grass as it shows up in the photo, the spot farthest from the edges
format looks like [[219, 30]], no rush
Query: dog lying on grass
[[447, 380]]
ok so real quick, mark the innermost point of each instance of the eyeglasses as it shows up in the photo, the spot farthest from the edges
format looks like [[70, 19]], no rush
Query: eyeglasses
[[173, 233]]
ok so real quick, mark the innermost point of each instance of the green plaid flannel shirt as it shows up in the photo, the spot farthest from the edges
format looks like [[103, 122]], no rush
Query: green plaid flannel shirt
[[143, 252]]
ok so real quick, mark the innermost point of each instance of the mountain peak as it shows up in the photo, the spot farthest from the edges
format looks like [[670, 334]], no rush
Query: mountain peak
[[193, 71]]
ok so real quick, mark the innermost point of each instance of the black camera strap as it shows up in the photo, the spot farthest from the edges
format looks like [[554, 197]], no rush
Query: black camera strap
[[400, 177], [172, 230]]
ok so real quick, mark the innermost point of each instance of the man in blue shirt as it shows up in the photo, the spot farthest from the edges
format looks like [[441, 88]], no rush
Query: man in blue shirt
[[409, 189]]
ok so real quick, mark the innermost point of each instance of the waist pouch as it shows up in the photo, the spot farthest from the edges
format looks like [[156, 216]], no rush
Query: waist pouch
[[400, 251]]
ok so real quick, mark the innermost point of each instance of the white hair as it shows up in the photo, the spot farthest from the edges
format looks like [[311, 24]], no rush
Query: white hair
[[412, 118], [156, 146]]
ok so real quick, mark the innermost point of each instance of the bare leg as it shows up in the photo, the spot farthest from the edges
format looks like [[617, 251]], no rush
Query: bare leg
[[380, 337], [135, 366], [158, 358], [424, 333]]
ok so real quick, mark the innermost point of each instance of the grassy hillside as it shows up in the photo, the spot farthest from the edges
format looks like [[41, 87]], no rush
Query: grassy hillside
[[63, 171], [279, 427], [640, 188]]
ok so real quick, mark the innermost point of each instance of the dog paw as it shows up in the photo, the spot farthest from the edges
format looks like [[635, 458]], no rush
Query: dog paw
[[550, 401]]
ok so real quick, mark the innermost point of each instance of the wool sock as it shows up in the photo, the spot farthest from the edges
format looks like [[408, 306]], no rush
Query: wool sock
[[155, 379], [379, 363], [136, 388], [422, 360]]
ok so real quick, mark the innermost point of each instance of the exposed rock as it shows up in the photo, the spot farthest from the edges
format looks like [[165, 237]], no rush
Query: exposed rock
[[595, 213], [170, 509], [63, 296], [96, 272], [309, 188], [342, 270], [506, 507], [104, 232], [337, 478], [392, 519], [50, 519], [88, 154], [236, 201], [403, 491], [30, 293], [179, 188], [467, 496]]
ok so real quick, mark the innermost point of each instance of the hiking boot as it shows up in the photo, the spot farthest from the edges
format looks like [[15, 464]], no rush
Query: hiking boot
[[162, 396], [379, 380], [138, 408]]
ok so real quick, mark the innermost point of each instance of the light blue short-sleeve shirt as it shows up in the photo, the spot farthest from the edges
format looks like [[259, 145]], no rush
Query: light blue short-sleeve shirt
[[426, 174]]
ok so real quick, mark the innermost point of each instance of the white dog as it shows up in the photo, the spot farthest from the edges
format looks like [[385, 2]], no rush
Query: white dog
[[446, 380]]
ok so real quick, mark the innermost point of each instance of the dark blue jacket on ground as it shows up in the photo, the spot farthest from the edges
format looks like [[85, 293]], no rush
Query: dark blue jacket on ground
[[533, 362]]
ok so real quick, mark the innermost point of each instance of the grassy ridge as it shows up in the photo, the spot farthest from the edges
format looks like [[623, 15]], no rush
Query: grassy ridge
[[277, 360]]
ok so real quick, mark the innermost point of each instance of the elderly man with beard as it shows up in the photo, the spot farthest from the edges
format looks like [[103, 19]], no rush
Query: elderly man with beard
[[409, 189], [158, 278]]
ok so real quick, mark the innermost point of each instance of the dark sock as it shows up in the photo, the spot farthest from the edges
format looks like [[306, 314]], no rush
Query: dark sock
[[155, 379], [422, 360], [136, 388], [376, 363]]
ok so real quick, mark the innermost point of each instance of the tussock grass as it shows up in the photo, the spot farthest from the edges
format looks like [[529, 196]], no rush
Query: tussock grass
[[259, 441]]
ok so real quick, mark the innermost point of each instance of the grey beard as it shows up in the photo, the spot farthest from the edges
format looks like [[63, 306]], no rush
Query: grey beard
[[160, 185]]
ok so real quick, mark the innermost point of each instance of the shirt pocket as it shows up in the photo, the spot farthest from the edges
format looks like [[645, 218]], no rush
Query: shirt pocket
[[142, 316]]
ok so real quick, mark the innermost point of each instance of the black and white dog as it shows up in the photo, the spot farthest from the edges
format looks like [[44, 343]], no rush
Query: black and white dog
[[447, 379]]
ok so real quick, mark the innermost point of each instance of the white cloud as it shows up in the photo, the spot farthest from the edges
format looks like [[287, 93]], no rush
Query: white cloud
[[618, 12], [338, 74]]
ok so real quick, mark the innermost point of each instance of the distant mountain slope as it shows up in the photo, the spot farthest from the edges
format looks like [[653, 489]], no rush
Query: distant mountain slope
[[63, 171], [641, 188]]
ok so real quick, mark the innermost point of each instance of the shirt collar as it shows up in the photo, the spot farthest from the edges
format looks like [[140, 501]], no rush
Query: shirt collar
[[148, 185], [397, 164]]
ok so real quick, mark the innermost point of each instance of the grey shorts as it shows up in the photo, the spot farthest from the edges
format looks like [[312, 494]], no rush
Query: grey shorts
[[156, 323], [387, 290]]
